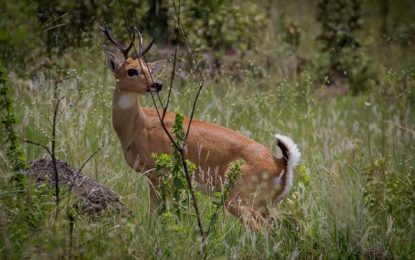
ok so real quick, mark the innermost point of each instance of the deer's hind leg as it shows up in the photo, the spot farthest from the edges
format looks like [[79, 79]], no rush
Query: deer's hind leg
[[253, 193], [248, 214]]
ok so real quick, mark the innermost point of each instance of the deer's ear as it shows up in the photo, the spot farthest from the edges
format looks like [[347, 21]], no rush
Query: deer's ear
[[157, 66], [114, 58]]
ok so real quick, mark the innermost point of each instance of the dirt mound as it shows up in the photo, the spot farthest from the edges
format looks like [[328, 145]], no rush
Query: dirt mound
[[94, 198]]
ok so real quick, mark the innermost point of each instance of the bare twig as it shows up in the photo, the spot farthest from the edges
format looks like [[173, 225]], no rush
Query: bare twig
[[53, 146], [188, 46], [171, 77], [81, 168], [192, 59], [194, 200], [69, 212], [192, 113], [36, 144]]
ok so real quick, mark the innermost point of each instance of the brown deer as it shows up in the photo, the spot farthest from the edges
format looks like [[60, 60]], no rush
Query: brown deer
[[264, 179]]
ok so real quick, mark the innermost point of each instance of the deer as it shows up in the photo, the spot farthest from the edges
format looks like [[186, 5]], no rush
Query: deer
[[264, 179]]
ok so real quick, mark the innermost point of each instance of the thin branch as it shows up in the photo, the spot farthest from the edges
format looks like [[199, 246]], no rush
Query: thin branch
[[188, 46], [53, 146], [69, 213], [36, 144], [81, 168], [192, 113], [163, 125], [174, 67], [195, 67], [171, 77], [194, 200]]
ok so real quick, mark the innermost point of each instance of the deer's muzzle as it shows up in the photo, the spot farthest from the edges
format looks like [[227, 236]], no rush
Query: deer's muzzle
[[157, 86]]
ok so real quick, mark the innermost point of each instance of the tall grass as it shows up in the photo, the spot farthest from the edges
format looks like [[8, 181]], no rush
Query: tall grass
[[351, 196]]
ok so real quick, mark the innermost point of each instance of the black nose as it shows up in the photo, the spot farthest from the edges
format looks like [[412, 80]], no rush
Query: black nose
[[158, 86]]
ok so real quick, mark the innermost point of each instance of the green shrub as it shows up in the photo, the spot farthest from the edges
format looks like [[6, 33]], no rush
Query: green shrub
[[67, 24], [15, 156], [173, 184], [388, 191], [221, 24], [19, 31], [341, 55]]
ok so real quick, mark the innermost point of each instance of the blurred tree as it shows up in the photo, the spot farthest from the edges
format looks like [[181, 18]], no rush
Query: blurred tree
[[339, 20], [384, 14], [157, 19], [15, 156], [233, 26], [18, 28], [68, 24], [209, 24]]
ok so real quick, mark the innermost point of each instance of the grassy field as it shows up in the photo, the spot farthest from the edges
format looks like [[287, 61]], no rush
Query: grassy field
[[353, 193]]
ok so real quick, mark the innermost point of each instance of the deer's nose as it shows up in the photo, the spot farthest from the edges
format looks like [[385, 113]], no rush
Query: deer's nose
[[157, 85]]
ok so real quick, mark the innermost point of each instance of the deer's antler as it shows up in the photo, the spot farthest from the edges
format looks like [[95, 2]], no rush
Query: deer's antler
[[121, 47], [141, 50]]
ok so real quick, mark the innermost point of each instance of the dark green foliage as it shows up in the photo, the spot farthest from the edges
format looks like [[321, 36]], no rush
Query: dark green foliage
[[292, 34], [22, 212], [342, 58], [222, 24], [19, 34], [62, 25], [405, 35], [391, 192], [339, 20], [15, 155], [67, 24], [157, 20]]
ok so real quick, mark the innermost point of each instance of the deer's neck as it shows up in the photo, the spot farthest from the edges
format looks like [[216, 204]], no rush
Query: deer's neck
[[128, 118]]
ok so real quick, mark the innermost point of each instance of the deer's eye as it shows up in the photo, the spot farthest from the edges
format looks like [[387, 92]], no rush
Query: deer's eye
[[132, 73]]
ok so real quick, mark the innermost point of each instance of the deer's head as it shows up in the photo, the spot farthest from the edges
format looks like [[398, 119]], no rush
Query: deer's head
[[132, 75]]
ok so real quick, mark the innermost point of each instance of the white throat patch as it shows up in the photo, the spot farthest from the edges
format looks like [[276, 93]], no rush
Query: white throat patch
[[127, 100]]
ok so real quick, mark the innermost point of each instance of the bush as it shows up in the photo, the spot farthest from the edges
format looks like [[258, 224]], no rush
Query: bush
[[68, 24], [221, 24], [390, 192], [18, 33], [342, 58]]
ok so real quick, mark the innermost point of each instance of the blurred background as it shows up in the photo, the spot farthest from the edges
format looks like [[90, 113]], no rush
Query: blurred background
[[339, 42]]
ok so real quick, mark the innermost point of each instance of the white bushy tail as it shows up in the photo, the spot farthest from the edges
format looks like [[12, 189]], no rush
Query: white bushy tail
[[292, 156]]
